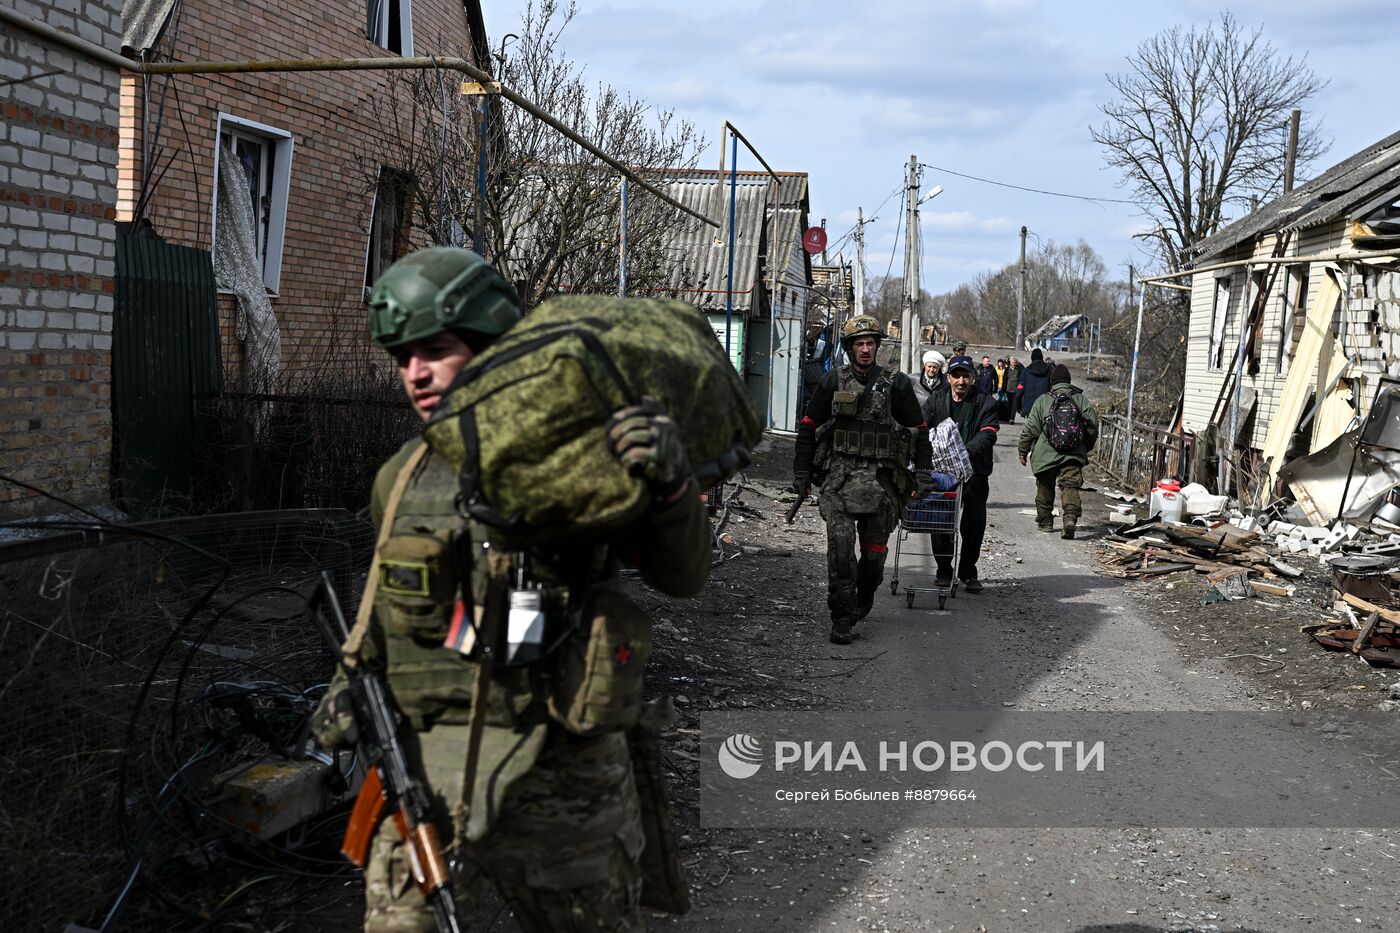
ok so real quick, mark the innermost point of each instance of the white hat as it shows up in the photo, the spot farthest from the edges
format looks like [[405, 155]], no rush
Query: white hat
[[933, 356]]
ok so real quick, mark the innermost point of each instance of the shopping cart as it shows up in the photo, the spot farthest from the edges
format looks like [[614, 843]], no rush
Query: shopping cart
[[938, 513]]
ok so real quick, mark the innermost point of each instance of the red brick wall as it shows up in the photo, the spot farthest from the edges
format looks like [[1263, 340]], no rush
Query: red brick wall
[[338, 142]]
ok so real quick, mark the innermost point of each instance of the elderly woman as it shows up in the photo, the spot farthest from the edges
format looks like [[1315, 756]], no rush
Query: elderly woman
[[931, 380]]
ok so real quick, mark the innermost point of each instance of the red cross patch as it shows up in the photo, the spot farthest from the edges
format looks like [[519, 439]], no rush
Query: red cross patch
[[623, 655]]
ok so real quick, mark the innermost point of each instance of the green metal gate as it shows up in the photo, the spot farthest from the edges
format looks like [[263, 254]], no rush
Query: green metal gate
[[165, 363]]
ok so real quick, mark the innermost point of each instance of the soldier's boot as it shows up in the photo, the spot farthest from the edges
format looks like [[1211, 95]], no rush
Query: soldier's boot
[[865, 601], [843, 633]]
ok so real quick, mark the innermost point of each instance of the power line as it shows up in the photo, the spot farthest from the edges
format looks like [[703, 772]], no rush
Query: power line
[[898, 224], [1053, 194]]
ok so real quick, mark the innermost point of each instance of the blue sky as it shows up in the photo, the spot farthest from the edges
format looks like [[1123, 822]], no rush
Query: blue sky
[[1003, 89]]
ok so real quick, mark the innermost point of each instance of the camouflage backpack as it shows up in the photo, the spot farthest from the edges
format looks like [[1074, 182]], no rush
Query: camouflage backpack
[[524, 422]]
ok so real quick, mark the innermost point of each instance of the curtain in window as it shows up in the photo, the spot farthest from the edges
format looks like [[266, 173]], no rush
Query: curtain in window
[[238, 268]]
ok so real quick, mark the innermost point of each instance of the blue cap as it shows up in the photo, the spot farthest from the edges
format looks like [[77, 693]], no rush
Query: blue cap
[[961, 362]]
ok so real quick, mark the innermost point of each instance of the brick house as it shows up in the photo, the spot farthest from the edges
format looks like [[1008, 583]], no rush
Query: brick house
[[58, 156], [287, 181], [310, 146]]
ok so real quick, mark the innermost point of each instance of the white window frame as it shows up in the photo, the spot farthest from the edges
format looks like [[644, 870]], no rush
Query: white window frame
[[1220, 320], [1293, 309], [384, 171], [282, 144], [381, 35]]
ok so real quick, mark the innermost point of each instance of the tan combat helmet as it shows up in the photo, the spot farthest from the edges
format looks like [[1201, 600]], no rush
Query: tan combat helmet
[[862, 325]]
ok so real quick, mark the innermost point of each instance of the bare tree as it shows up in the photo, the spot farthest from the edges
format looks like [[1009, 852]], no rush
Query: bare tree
[[549, 210], [1197, 129], [1060, 279], [1198, 126]]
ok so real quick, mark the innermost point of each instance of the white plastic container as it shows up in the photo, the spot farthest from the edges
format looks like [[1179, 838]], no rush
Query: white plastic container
[[1166, 501]]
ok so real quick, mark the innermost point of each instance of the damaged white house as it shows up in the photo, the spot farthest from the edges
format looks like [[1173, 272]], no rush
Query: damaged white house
[[1295, 320]]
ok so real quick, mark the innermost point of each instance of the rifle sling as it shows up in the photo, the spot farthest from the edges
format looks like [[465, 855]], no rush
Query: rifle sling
[[487, 618], [352, 645]]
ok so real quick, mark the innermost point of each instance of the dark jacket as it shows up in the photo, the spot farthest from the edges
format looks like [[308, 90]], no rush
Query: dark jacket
[[1035, 382], [977, 422], [986, 379]]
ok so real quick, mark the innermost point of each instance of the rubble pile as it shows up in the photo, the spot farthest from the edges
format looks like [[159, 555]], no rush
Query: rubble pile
[[1353, 561]]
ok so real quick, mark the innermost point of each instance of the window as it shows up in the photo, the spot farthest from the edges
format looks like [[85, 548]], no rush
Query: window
[[390, 25], [1253, 342], [1219, 313], [1293, 316], [389, 221], [260, 159]]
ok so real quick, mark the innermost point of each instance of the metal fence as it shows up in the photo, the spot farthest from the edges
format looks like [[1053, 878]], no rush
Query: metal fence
[[1138, 454], [136, 664]]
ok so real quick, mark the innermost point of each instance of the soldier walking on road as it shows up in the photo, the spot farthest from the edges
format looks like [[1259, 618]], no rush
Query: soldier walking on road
[[1060, 430], [856, 441], [553, 815]]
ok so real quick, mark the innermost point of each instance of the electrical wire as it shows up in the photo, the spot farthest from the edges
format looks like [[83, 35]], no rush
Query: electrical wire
[[1053, 194], [897, 225]]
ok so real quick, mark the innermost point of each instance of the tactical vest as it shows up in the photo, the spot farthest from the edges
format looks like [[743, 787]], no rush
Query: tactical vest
[[435, 567], [863, 422]]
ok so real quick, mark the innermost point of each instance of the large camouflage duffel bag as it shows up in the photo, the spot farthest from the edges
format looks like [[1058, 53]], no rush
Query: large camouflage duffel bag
[[524, 422]]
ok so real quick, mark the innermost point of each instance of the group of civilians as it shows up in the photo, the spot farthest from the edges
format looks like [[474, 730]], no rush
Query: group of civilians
[[979, 399]]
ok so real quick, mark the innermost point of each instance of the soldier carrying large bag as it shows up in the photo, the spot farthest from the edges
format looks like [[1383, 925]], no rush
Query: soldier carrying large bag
[[861, 432], [556, 449]]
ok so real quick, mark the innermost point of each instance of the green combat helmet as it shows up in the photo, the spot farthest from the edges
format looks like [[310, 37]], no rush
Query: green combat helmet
[[436, 289]]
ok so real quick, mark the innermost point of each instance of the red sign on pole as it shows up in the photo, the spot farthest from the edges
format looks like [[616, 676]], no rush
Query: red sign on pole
[[814, 240]]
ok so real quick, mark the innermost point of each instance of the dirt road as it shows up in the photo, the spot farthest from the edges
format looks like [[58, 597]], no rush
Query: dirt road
[[1046, 634]]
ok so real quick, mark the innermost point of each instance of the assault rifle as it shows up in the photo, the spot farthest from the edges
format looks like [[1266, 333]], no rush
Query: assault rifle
[[390, 786], [797, 504]]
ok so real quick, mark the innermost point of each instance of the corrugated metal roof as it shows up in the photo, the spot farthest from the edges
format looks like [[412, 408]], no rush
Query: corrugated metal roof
[[697, 253], [1352, 183], [143, 21], [702, 251]]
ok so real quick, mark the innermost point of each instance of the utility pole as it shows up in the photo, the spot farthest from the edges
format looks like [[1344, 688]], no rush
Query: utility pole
[[1132, 386], [824, 260], [1291, 159], [622, 242], [1021, 297], [860, 261], [910, 311]]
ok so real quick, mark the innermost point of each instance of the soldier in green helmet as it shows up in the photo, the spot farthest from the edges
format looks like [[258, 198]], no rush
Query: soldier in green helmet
[[862, 431], [552, 818]]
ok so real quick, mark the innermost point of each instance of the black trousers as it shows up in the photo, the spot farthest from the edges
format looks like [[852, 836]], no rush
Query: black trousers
[[973, 528]]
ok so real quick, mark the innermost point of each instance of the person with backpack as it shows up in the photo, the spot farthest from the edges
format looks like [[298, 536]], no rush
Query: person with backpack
[[1059, 432], [1034, 382], [486, 640]]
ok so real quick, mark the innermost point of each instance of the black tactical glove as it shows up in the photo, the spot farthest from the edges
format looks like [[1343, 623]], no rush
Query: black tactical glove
[[801, 484], [923, 485], [333, 723], [646, 441]]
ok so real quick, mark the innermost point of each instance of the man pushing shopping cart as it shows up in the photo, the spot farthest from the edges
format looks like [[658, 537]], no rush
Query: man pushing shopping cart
[[974, 417]]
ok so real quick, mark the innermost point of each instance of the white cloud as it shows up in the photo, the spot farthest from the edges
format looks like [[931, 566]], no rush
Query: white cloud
[[965, 220]]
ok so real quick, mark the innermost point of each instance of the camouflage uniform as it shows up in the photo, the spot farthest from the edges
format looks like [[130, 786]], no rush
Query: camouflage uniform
[[861, 461], [554, 819]]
